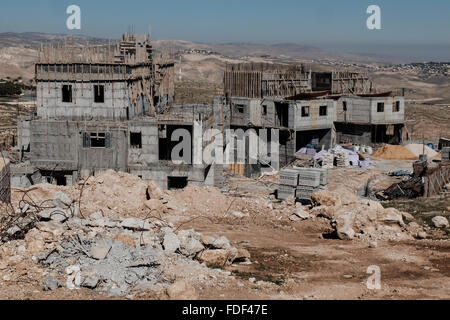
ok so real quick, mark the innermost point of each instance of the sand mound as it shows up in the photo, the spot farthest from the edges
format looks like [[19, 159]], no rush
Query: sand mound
[[418, 149], [390, 152]]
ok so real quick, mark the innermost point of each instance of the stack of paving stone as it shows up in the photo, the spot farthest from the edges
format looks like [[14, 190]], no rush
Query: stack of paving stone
[[446, 154], [301, 183]]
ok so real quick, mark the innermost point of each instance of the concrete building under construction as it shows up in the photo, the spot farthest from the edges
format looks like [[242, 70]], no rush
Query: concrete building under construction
[[104, 108], [112, 107], [316, 109]]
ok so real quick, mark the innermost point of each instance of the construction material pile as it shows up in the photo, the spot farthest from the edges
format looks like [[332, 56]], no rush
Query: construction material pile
[[327, 161], [301, 183], [103, 250], [420, 149], [427, 179], [342, 158], [391, 152], [446, 154]]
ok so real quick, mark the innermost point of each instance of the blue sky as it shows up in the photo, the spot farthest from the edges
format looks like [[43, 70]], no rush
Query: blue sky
[[330, 24]]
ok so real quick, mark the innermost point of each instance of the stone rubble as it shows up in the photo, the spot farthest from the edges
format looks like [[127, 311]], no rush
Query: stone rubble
[[118, 255]]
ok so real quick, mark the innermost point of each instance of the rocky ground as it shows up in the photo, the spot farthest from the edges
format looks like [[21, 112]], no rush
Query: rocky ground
[[114, 236]]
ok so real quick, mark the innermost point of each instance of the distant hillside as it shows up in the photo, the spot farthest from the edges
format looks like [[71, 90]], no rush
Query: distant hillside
[[18, 52], [35, 39]]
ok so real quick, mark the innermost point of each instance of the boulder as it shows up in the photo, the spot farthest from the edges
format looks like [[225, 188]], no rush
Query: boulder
[[345, 232], [344, 225], [61, 200], [326, 198], [407, 217], [422, 235], [155, 191], [214, 258], [440, 222], [51, 283], [190, 243], [216, 242], [242, 254], [171, 242], [323, 211], [391, 216], [91, 281], [302, 214]]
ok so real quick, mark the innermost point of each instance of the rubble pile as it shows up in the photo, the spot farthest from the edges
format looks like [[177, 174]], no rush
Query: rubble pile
[[353, 217], [113, 254]]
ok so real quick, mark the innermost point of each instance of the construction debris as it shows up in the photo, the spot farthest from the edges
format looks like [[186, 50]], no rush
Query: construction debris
[[106, 251], [352, 217], [426, 179]]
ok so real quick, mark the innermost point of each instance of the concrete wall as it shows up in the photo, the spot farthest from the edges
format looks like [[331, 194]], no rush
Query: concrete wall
[[57, 145], [161, 171], [388, 116], [149, 154], [358, 110], [315, 120], [23, 133], [363, 110], [262, 113], [54, 144], [5, 180], [50, 105]]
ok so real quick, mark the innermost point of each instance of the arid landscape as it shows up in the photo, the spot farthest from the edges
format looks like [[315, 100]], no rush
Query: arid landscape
[[134, 240], [199, 73]]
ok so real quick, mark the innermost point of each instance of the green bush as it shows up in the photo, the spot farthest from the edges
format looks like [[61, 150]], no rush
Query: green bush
[[9, 89]]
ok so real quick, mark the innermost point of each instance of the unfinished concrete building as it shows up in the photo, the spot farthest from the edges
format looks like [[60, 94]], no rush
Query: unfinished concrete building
[[370, 119], [315, 109], [277, 97], [103, 108]]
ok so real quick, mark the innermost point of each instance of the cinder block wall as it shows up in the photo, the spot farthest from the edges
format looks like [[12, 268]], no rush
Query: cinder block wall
[[5, 180], [50, 105]]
